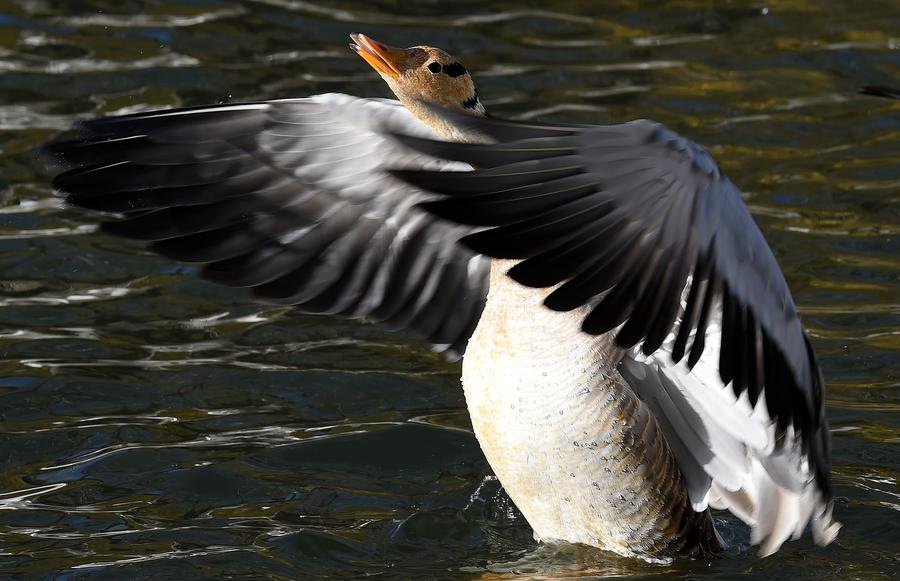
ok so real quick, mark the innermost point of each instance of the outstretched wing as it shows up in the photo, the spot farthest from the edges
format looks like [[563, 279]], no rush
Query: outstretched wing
[[640, 224], [290, 198]]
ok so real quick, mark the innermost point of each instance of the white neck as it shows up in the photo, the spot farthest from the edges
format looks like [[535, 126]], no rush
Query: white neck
[[439, 125]]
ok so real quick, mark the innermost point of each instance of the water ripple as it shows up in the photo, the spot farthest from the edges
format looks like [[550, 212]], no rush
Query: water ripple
[[361, 16], [16, 499], [149, 20], [95, 65], [164, 555]]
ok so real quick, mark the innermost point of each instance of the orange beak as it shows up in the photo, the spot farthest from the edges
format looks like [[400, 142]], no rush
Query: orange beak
[[383, 58]]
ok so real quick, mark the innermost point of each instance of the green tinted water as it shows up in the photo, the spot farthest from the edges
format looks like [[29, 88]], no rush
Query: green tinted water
[[156, 426]]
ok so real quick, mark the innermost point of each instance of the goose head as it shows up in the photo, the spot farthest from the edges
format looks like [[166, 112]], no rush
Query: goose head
[[422, 74]]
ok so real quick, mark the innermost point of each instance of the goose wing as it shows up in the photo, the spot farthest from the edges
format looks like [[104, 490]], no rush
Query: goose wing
[[642, 226], [291, 199]]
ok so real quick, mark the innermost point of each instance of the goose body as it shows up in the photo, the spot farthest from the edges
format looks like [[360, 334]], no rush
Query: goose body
[[578, 452], [632, 356]]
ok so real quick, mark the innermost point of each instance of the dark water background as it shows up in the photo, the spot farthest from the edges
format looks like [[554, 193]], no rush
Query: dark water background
[[158, 427]]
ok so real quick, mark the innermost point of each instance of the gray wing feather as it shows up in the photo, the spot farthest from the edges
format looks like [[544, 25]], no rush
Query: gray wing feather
[[291, 199]]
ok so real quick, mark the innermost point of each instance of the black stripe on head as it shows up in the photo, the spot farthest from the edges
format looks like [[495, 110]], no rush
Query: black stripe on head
[[454, 69], [471, 102]]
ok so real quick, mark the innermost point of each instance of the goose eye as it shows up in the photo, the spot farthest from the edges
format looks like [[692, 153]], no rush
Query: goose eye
[[434, 67]]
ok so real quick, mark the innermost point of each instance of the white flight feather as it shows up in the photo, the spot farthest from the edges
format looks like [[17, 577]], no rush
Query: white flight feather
[[726, 448]]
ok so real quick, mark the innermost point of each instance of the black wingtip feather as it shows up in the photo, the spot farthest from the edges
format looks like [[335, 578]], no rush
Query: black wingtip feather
[[699, 282], [880, 91], [726, 356], [670, 302], [713, 287], [494, 244], [619, 304], [648, 299]]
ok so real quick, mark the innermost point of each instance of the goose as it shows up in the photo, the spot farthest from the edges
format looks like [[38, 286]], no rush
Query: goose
[[631, 354]]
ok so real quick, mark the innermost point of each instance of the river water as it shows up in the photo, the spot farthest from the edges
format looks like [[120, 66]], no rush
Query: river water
[[155, 426]]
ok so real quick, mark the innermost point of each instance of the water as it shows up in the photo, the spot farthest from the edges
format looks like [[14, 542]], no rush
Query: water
[[155, 426]]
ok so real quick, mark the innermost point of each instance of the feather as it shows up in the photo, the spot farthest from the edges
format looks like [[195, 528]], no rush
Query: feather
[[292, 199]]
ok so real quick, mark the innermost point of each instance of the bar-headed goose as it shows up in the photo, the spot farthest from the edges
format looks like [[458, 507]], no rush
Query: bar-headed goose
[[633, 356]]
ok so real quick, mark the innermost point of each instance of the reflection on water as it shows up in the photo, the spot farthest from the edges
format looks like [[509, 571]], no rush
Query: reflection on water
[[154, 425]]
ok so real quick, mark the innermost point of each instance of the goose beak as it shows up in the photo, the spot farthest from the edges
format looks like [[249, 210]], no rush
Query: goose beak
[[383, 58]]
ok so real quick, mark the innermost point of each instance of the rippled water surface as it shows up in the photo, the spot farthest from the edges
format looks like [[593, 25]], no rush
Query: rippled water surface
[[155, 426]]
